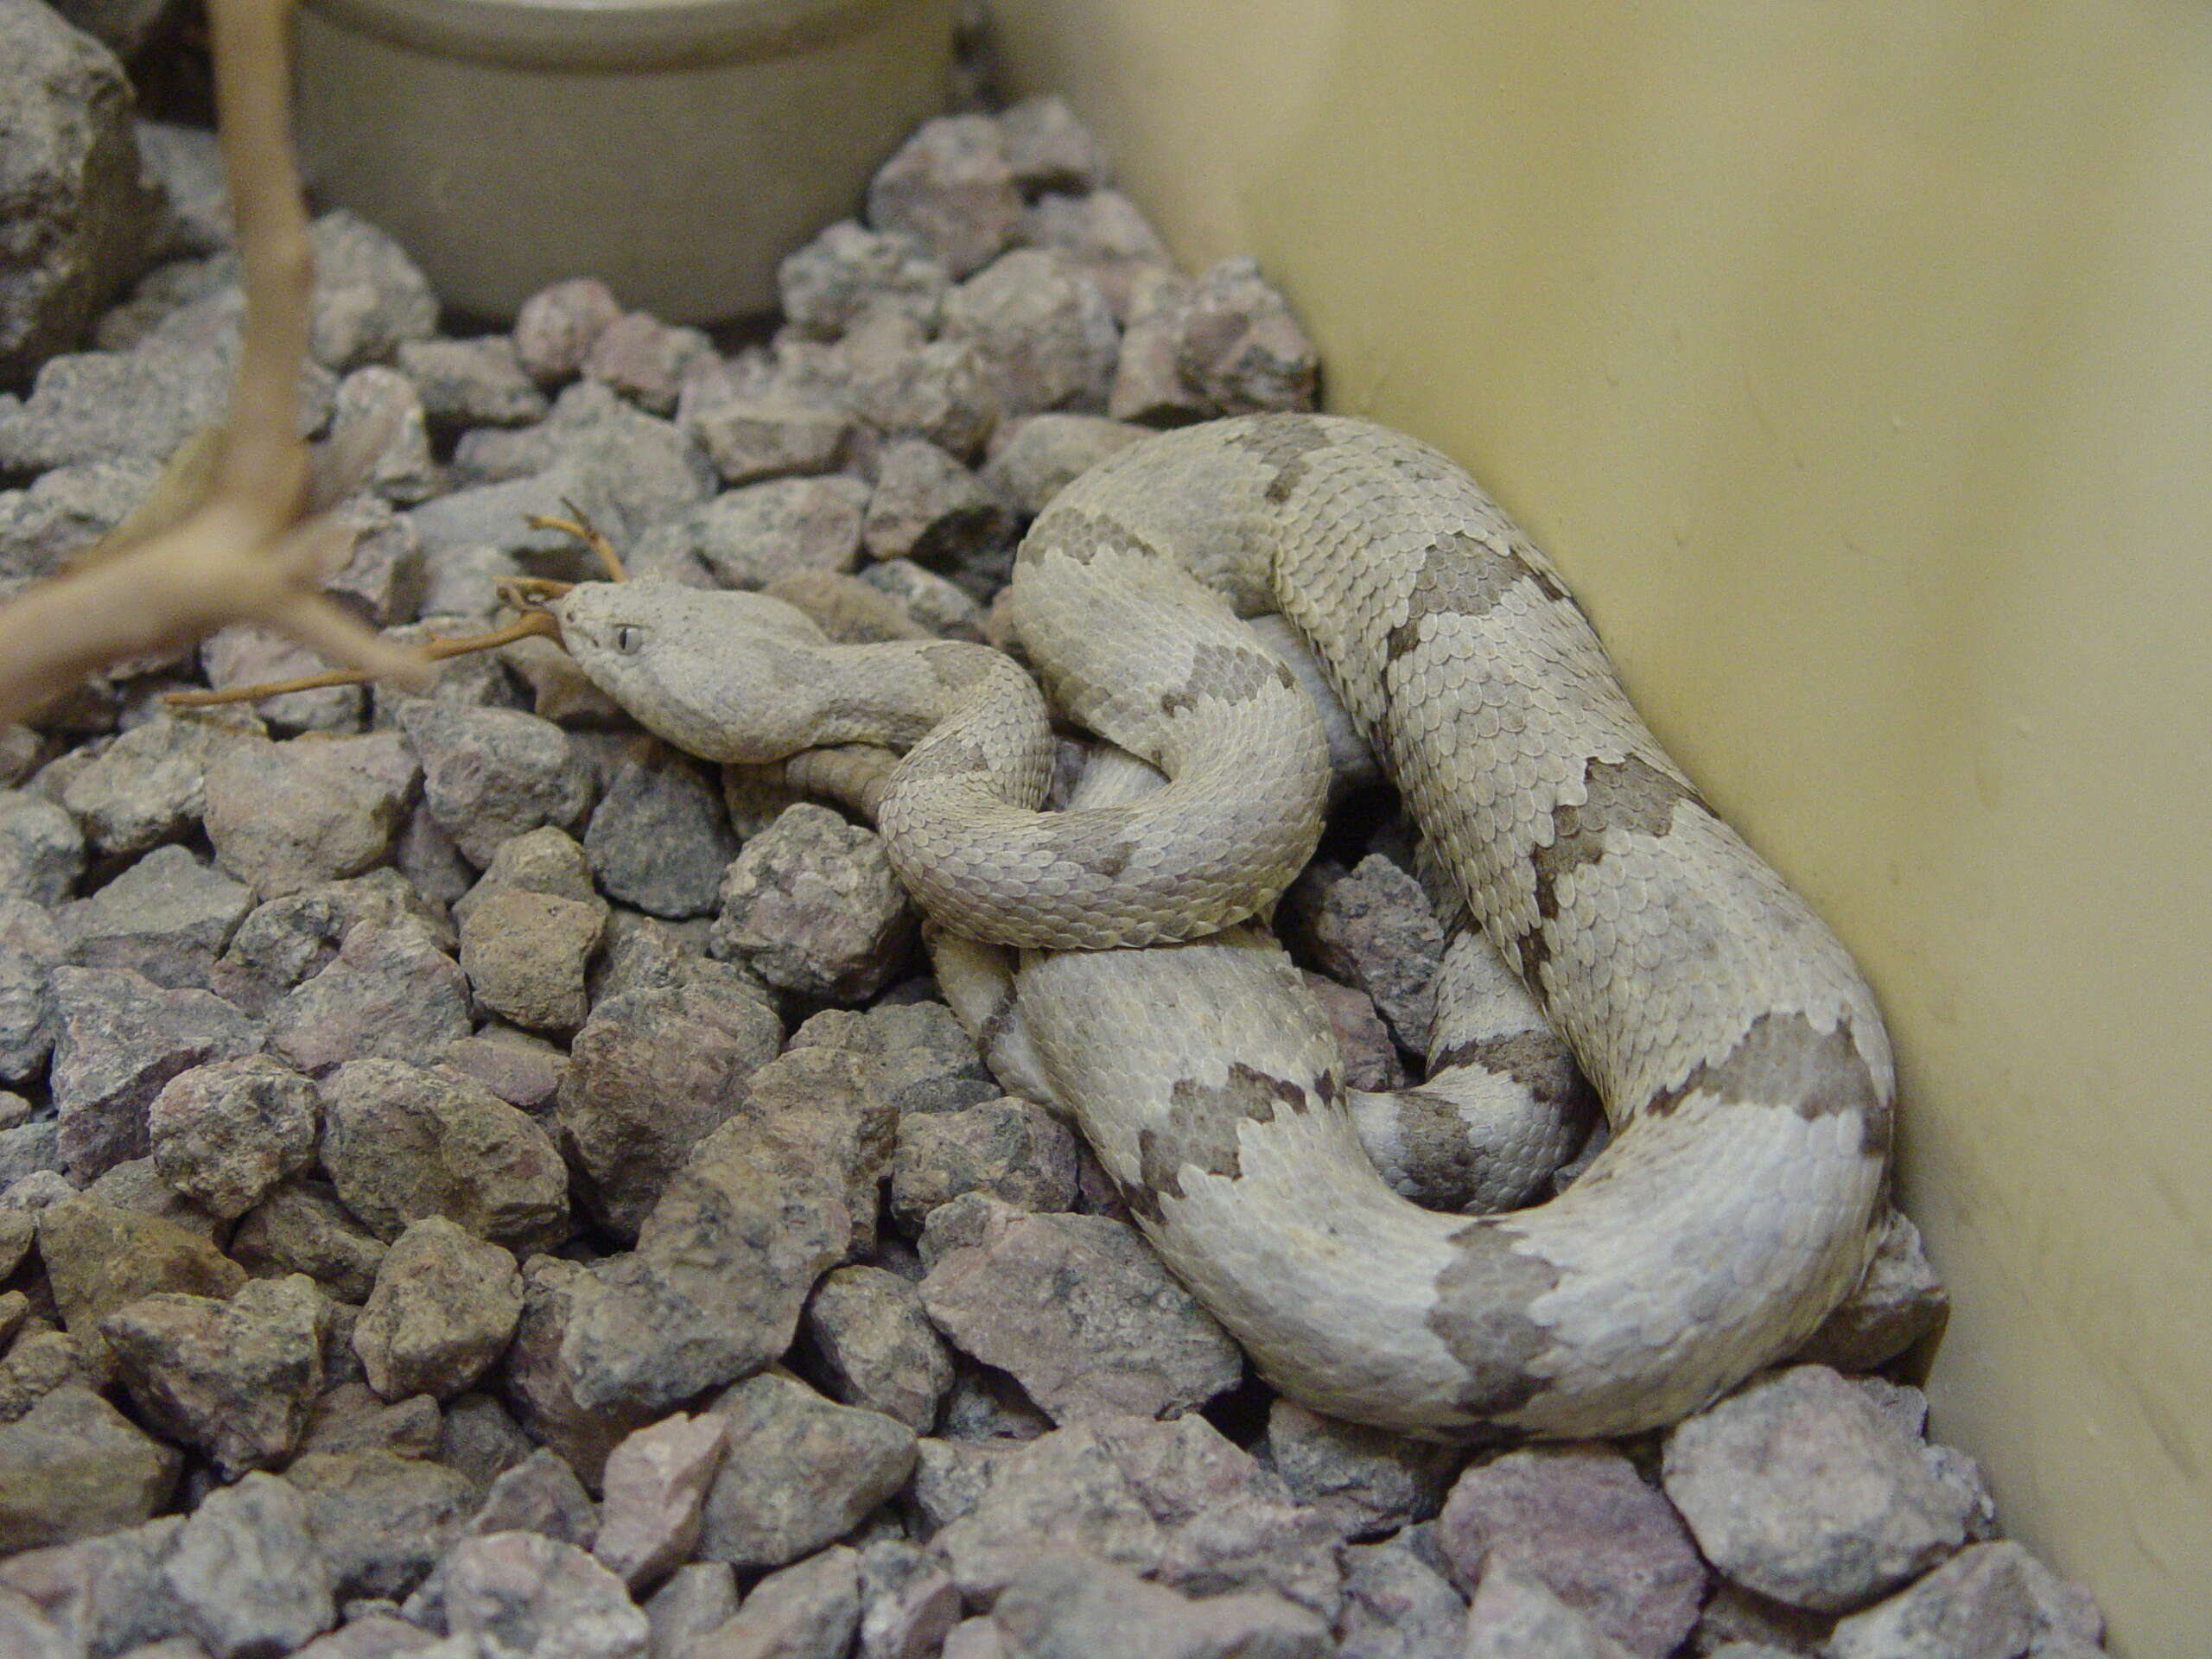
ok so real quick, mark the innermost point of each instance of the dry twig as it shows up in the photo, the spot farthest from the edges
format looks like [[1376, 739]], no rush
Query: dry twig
[[237, 531]]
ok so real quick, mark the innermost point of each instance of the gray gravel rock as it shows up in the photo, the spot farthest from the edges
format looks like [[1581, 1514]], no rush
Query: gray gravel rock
[[521, 1596], [1372, 927], [1049, 148], [522, 1069], [148, 785], [225, 1134], [809, 1611], [106, 1594], [245, 654], [401, 470], [1515, 1615], [1990, 1599], [42, 1361], [909, 1602], [233, 1380], [951, 187], [42, 849], [31, 948], [542, 860], [139, 405], [917, 1053], [539, 1494], [194, 294], [1103, 234], [751, 537], [697, 1597], [930, 508], [656, 1483], [1369, 1481], [556, 327], [166, 917], [445, 1306], [1897, 1302], [402, 1144], [369, 297], [1363, 1041], [849, 270], [1578, 1518], [477, 532], [811, 905], [1174, 1500], [390, 991], [1732, 1614], [932, 602], [539, 1385], [525, 953], [905, 385], [1242, 348], [751, 436], [1009, 1147], [287, 941], [99, 1258], [491, 773], [479, 1437], [184, 167], [659, 839], [29, 1150], [284, 817], [348, 1417], [726, 1260], [1082, 1314], [1148, 384], [641, 469], [380, 1519], [1067, 1605], [76, 211], [1043, 329], [800, 1471], [652, 1072], [1033, 458], [479, 382], [118, 1037], [647, 360], [136, 1184], [245, 1572], [1799, 1486], [1396, 1606], [73, 1467], [878, 1346], [66, 511], [385, 577]]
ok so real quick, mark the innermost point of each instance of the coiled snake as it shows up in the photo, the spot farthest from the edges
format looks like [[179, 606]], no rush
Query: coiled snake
[[1738, 1053]]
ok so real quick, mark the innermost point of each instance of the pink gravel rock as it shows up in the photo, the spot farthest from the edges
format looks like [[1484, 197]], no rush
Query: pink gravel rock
[[656, 1483], [1578, 1517], [558, 326]]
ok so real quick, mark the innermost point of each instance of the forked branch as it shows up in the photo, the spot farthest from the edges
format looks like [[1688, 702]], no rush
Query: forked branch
[[238, 530]]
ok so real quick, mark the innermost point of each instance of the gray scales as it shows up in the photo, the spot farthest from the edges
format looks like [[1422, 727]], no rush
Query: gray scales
[[1738, 1053]]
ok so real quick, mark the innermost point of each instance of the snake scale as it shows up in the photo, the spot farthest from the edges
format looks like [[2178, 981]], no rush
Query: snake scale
[[1738, 1053]]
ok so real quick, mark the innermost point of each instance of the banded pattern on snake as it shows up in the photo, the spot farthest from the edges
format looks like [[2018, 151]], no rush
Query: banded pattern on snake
[[1737, 1052]]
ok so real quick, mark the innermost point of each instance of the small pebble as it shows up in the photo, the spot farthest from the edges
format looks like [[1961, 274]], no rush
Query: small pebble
[[444, 1306], [1082, 1313], [800, 1471]]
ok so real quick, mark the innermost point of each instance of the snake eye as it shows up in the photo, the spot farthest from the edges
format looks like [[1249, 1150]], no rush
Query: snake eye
[[628, 640]]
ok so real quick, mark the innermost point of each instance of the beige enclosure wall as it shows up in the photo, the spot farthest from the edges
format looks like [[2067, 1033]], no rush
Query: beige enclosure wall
[[1855, 362]]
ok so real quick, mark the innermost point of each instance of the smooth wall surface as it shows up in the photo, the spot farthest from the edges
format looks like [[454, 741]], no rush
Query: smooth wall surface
[[1855, 363]]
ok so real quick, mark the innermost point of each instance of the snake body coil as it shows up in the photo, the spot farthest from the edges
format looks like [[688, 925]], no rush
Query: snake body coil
[[1737, 1052]]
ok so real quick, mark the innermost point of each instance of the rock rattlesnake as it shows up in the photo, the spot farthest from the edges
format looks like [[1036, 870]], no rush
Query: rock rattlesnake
[[1738, 1052]]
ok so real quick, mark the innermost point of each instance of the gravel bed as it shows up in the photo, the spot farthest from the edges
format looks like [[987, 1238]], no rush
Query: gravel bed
[[473, 1186]]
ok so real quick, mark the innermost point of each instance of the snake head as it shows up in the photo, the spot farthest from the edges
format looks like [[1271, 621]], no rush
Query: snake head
[[723, 675]]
